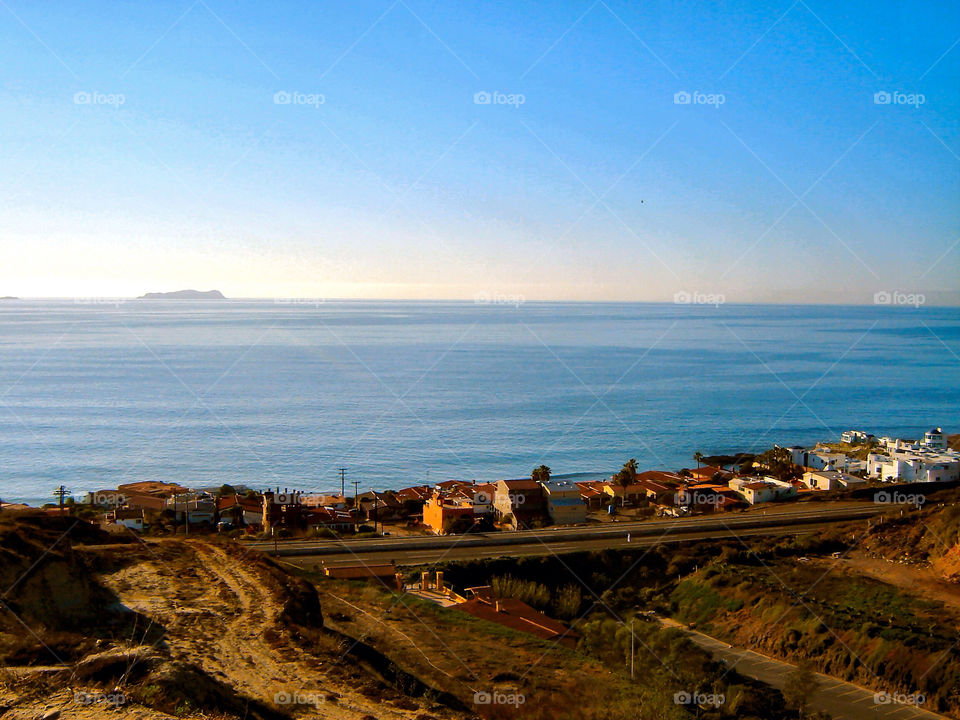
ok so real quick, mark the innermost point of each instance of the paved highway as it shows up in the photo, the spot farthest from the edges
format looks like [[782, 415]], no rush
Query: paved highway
[[416, 550], [439, 555]]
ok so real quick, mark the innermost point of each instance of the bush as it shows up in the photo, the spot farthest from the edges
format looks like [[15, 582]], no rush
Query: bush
[[530, 592]]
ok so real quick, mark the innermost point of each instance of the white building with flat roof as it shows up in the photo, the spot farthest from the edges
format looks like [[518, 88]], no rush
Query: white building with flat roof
[[909, 465], [831, 480], [855, 437]]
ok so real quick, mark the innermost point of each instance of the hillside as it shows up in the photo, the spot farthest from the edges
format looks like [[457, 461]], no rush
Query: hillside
[[173, 628]]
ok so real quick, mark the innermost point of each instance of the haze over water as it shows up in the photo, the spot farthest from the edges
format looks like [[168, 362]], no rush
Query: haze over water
[[400, 393]]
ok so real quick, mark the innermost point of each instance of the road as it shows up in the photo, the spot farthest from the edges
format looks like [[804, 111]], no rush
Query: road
[[841, 700], [435, 556], [418, 550]]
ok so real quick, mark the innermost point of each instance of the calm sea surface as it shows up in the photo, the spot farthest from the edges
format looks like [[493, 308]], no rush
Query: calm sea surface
[[268, 394]]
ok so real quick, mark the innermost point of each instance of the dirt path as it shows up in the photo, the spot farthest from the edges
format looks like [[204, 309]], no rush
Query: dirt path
[[842, 700], [222, 614]]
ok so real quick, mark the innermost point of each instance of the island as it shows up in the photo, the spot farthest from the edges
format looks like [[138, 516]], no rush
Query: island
[[184, 295], [9, 297]]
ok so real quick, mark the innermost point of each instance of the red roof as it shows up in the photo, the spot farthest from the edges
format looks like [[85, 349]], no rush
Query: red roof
[[517, 615], [655, 487], [708, 471], [151, 502], [419, 492], [591, 488], [525, 484], [248, 504], [724, 500], [448, 484], [659, 476]]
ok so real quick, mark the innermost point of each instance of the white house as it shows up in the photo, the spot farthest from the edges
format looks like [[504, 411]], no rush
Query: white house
[[766, 490], [132, 519], [818, 458], [906, 464], [830, 480], [855, 437], [935, 439]]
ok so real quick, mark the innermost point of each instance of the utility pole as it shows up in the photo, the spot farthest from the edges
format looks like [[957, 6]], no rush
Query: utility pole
[[376, 506], [61, 492], [631, 648], [342, 489]]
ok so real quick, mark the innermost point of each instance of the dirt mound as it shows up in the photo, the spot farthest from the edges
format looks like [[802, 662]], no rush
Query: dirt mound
[[51, 596]]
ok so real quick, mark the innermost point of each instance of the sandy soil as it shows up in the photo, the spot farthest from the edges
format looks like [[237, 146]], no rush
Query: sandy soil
[[219, 614], [223, 614]]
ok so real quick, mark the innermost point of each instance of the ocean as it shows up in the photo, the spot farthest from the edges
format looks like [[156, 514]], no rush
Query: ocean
[[268, 394]]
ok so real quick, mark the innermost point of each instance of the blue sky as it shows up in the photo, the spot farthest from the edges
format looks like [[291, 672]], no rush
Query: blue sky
[[145, 147]]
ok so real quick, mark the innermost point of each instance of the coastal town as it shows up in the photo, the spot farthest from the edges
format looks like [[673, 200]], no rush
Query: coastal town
[[717, 484]]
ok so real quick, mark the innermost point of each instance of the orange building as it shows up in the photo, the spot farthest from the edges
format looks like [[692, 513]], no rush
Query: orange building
[[441, 512]]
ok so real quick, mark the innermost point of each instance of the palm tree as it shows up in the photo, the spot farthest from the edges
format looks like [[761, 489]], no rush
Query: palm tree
[[627, 476], [541, 474], [698, 456]]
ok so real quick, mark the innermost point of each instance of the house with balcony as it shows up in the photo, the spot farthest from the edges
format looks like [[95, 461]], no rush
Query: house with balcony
[[934, 439]]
